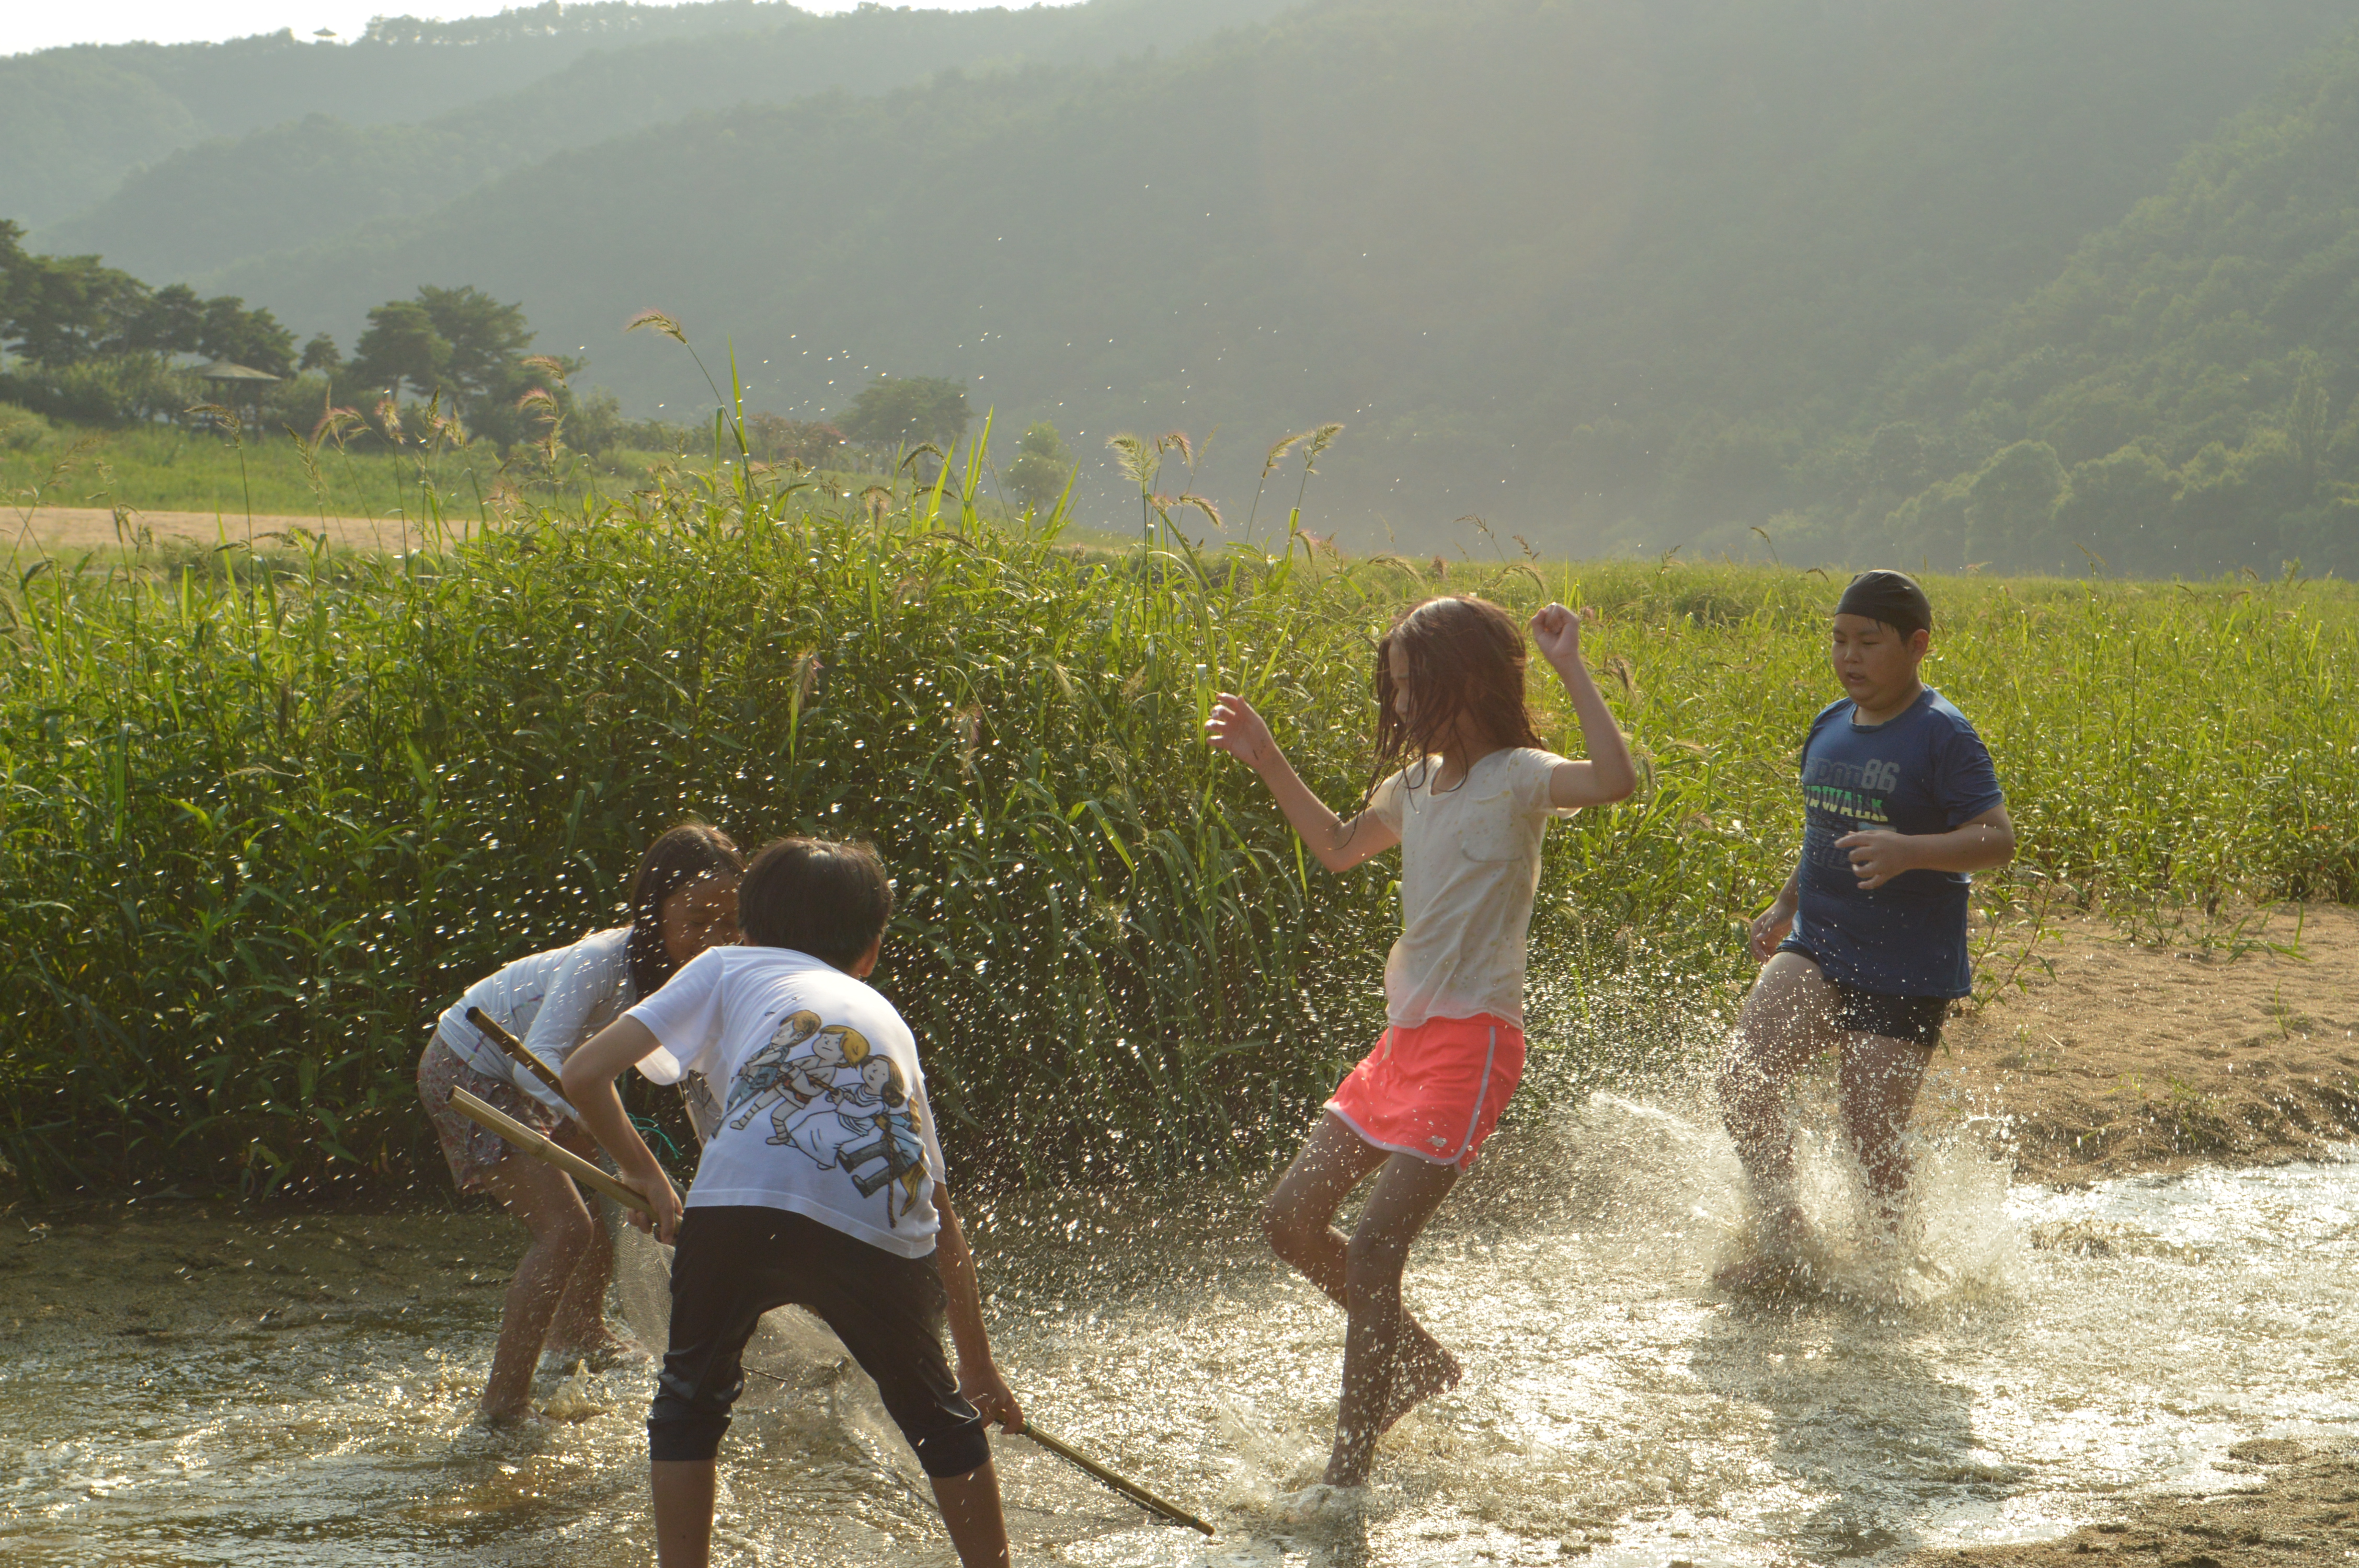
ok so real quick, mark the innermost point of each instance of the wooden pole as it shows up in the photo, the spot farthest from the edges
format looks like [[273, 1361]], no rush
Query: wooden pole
[[1128, 1488], [491, 1029], [541, 1148], [582, 1170]]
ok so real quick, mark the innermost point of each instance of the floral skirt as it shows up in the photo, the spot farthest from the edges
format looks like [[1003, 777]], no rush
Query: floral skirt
[[472, 1147]]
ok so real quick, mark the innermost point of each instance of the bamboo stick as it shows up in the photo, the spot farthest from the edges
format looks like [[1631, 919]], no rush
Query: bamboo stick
[[1128, 1488], [582, 1170], [541, 1148], [492, 1030]]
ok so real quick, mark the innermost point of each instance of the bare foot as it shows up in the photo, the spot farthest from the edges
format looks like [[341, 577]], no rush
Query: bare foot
[[603, 1352], [1776, 1262], [508, 1420], [1758, 1276], [1322, 1501], [1422, 1370]]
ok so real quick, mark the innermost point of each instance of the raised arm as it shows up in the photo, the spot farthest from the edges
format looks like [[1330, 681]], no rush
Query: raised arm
[[1607, 775], [589, 1077], [1236, 729]]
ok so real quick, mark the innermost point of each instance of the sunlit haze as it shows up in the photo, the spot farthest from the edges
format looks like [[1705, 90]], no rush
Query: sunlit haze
[[26, 28]]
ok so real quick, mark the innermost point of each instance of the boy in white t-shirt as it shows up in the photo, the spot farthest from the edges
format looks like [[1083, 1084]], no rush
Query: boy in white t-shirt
[[837, 1205]]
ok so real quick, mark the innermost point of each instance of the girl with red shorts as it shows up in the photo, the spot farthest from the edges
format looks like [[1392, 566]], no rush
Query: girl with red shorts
[[1467, 807]]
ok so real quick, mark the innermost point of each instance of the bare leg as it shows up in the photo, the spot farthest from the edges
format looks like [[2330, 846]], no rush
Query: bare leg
[[1296, 1220], [580, 1326], [683, 1498], [971, 1512], [1783, 1026], [1407, 1193], [561, 1229], [1880, 1078]]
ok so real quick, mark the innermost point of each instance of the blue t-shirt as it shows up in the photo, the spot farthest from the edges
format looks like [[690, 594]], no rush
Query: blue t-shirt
[[1923, 772]]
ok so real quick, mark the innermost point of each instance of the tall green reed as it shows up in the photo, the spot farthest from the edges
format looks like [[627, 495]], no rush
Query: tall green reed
[[257, 826]]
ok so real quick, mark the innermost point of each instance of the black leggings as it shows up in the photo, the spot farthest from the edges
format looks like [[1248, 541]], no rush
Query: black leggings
[[732, 1264]]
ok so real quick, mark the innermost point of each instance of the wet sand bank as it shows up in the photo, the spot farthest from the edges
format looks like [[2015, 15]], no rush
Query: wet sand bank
[[2305, 1514], [2116, 1055]]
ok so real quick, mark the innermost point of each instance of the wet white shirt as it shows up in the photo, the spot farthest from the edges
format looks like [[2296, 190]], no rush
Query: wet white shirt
[[1469, 865], [552, 1001], [824, 1112]]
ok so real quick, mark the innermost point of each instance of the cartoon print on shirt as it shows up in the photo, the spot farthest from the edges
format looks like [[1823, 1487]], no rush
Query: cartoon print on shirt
[[814, 1074], [766, 1073], [869, 1122]]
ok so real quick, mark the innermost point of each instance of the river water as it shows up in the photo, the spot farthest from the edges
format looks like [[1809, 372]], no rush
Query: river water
[[182, 1385]]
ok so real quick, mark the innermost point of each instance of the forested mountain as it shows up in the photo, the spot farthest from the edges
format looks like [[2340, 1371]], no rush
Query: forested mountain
[[322, 170], [75, 121], [2183, 398], [1603, 271], [1899, 278]]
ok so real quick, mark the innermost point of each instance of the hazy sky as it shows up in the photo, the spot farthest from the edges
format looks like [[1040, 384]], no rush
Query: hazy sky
[[25, 24]]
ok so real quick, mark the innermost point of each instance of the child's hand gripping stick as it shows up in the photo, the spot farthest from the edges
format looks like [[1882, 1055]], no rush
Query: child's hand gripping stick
[[541, 1148], [582, 1170]]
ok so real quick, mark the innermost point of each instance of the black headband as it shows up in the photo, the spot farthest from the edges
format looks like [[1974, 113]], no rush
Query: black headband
[[1892, 598]]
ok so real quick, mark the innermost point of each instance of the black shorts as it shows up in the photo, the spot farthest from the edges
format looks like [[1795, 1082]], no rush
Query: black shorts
[[1915, 1019], [732, 1264]]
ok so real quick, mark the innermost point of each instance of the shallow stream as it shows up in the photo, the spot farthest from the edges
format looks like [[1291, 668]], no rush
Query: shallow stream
[[186, 1386]]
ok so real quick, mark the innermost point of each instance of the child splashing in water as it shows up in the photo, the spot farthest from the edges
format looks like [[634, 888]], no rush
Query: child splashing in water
[[683, 900], [1468, 807]]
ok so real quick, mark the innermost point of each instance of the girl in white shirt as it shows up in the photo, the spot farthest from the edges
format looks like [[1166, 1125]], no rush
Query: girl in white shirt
[[683, 900], [1467, 808]]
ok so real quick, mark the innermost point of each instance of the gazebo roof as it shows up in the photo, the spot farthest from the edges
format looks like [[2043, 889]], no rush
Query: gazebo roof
[[222, 370]]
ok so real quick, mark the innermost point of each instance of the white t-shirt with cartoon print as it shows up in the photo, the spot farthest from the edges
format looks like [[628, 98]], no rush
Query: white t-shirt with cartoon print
[[1470, 866], [824, 1111]]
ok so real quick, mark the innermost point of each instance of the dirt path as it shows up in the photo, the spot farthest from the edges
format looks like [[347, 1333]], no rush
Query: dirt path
[[2306, 1513], [71, 529], [2116, 1056]]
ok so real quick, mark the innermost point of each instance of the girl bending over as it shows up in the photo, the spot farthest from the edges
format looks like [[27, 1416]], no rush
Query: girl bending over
[[1468, 806], [683, 901]]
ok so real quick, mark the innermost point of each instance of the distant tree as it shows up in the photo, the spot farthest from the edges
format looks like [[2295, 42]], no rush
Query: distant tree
[[400, 348], [251, 338], [2119, 509], [1042, 467], [904, 410], [61, 310], [488, 341], [775, 438], [2010, 503], [320, 354], [171, 323]]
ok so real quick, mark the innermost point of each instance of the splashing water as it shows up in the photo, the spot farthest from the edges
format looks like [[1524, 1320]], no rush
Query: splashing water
[[2023, 1358]]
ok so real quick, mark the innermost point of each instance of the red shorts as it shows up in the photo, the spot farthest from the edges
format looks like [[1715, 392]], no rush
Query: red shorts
[[1434, 1091]]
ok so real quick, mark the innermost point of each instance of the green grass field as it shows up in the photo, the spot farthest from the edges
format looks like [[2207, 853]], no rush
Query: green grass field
[[168, 469], [258, 825]]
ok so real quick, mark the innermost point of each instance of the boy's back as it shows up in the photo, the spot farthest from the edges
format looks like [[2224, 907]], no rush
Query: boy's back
[[819, 1187], [823, 1103]]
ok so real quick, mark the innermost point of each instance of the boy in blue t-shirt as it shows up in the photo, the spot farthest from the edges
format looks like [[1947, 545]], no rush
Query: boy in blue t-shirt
[[827, 1193], [1865, 946]]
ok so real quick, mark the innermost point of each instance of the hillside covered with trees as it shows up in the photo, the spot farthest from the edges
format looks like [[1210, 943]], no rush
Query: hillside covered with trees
[[2182, 398], [1959, 285]]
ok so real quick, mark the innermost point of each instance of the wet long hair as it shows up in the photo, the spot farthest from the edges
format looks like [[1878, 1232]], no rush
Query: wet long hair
[[691, 851], [1465, 658]]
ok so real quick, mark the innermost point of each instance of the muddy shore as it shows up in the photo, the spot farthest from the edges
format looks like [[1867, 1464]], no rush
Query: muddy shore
[[2207, 1045], [2304, 1515], [2119, 1050]]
